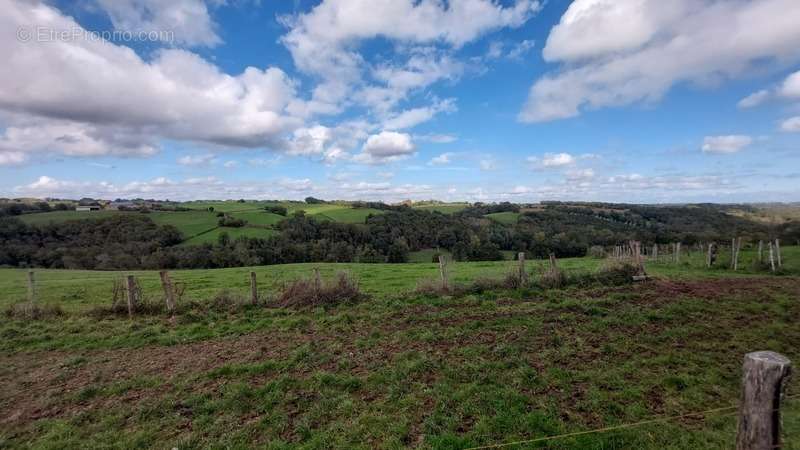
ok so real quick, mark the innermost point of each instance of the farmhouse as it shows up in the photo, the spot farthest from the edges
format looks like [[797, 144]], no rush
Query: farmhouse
[[87, 208]]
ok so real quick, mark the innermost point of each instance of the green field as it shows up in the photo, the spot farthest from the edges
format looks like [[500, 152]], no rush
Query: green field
[[213, 235], [396, 370], [506, 218], [64, 216], [260, 218], [444, 208], [349, 215]]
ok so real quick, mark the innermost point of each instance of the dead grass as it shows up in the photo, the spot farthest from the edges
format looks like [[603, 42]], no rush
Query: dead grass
[[313, 292]]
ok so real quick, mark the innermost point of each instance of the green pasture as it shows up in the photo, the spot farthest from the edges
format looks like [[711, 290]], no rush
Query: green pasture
[[506, 218]]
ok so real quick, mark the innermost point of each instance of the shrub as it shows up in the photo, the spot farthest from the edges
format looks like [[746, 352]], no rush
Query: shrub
[[597, 252], [228, 221], [276, 209], [312, 292]]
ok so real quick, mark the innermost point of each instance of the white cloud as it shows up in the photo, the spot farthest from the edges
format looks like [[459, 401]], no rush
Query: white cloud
[[185, 21], [552, 160], [618, 53], [324, 42], [487, 164], [726, 144], [196, 160], [580, 175], [386, 146], [444, 158], [413, 117], [304, 184], [791, 86], [521, 48], [436, 138], [791, 125], [754, 99], [230, 164], [99, 98]]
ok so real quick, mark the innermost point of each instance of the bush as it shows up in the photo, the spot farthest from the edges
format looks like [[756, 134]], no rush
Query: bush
[[597, 252], [232, 222], [313, 293], [275, 209]]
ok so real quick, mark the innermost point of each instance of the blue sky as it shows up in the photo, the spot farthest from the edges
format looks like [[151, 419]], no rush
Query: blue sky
[[476, 100]]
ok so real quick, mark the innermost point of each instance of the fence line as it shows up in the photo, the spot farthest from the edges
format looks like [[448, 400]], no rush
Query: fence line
[[625, 426]]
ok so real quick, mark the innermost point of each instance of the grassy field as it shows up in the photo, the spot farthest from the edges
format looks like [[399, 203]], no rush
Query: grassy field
[[506, 218], [396, 370], [260, 218], [213, 235], [445, 208], [349, 215]]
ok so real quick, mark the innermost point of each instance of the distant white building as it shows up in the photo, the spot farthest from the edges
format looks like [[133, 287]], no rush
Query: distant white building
[[88, 208]]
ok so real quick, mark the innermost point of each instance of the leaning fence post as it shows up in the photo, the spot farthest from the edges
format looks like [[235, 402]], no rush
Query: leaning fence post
[[771, 257], [31, 290], [778, 251], [131, 295], [523, 275], [169, 293], [763, 384], [253, 289], [443, 272]]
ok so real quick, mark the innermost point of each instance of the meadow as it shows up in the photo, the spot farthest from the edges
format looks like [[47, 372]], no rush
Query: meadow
[[398, 369]]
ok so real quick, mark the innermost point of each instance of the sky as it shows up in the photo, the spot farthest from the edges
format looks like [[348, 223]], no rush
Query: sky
[[640, 101]]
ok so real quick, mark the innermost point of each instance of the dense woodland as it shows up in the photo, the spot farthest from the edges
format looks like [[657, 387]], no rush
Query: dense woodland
[[135, 242]]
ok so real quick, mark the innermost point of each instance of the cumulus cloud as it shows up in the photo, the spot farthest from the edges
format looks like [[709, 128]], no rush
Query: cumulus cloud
[[196, 160], [726, 144], [324, 42], [444, 158], [791, 86], [552, 160], [791, 125], [184, 21], [99, 98], [415, 116], [618, 53], [386, 146], [754, 99]]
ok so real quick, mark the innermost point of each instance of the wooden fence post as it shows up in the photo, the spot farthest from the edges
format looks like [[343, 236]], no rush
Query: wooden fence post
[[737, 248], [31, 291], [131, 295], [443, 272], [317, 280], [523, 275], [763, 384], [771, 257], [655, 252], [169, 292], [254, 289], [678, 252], [708, 257], [778, 252], [760, 251]]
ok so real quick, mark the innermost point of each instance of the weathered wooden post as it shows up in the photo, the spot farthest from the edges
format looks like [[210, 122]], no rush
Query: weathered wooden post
[[760, 251], [655, 252], [678, 252], [317, 280], [523, 275], [31, 291], [169, 292], [253, 289], [763, 385], [708, 257], [778, 252], [771, 257], [131, 294], [733, 251], [443, 272], [737, 248]]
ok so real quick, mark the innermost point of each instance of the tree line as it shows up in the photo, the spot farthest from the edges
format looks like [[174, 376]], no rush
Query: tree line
[[134, 241]]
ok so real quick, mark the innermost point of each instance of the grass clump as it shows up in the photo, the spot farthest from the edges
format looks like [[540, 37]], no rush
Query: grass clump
[[313, 292], [36, 312]]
